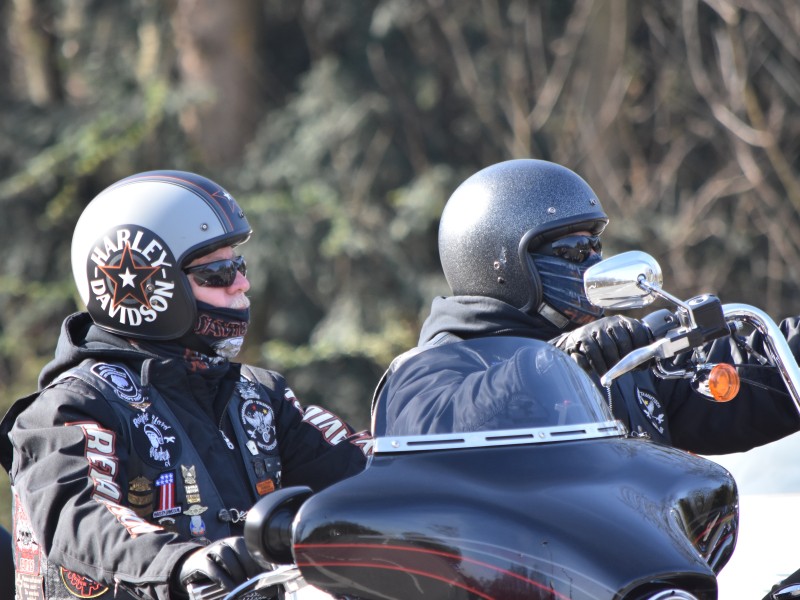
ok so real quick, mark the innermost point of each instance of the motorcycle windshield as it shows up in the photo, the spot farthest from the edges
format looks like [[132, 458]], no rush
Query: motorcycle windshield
[[489, 392]]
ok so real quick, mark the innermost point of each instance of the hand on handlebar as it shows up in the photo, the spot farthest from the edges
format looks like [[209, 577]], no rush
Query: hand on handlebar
[[225, 563], [600, 345]]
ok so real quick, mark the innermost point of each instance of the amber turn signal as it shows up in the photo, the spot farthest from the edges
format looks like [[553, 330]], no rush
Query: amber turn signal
[[723, 382]]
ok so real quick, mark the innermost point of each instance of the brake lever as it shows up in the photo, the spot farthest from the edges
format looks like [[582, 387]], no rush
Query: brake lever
[[633, 359]]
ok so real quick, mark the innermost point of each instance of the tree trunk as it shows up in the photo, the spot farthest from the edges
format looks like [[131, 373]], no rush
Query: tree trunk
[[219, 64], [32, 28]]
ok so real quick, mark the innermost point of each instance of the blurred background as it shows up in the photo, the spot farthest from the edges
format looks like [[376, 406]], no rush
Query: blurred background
[[342, 128]]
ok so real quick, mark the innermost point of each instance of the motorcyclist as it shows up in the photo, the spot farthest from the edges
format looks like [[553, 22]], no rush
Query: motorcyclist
[[515, 240], [135, 462]]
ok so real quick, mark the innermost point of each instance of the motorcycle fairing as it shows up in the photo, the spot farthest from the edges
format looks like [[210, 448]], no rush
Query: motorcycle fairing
[[579, 520], [496, 514]]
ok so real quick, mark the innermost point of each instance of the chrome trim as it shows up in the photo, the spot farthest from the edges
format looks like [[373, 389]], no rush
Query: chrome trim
[[287, 576], [672, 595], [616, 282], [505, 437], [787, 592], [774, 342]]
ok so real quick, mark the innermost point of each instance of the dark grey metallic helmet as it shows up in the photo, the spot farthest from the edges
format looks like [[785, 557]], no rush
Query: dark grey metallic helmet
[[133, 240], [499, 215]]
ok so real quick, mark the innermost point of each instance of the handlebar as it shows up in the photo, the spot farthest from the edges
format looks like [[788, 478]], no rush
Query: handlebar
[[775, 342], [677, 341]]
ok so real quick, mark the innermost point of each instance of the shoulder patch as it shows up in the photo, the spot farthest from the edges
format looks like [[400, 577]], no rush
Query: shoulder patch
[[121, 380], [248, 390], [259, 423]]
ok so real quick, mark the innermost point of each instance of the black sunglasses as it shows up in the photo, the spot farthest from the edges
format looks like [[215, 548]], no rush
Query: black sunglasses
[[220, 273], [574, 248]]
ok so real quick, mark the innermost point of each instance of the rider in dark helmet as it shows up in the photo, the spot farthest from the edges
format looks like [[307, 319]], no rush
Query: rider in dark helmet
[[134, 463], [496, 221], [515, 240]]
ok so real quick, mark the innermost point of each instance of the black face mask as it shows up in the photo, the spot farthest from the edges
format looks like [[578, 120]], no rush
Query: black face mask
[[562, 287], [217, 331]]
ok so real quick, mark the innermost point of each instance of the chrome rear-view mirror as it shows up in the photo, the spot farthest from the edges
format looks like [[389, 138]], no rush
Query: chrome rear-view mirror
[[617, 282]]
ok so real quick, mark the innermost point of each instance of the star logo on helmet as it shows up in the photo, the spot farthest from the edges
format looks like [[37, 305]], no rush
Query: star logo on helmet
[[220, 193], [129, 278]]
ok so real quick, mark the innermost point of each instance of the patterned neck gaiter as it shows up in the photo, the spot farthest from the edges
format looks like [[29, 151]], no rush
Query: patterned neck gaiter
[[562, 287], [218, 331]]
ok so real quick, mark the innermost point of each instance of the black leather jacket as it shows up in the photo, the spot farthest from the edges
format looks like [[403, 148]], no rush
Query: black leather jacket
[[125, 460], [666, 411]]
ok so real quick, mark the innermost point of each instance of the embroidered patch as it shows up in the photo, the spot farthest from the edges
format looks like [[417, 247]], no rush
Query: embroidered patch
[[29, 587], [652, 409], [27, 556], [121, 380], [258, 421], [81, 586], [247, 390], [141, 496], [166, 498], [156, 442], [100, 453]]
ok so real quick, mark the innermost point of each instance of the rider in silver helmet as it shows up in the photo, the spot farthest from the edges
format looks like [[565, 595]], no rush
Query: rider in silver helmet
[[515, 240], [133, 464]]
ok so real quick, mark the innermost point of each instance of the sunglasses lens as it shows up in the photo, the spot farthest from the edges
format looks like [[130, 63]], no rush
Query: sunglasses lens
[[220, 273], [574, 248]]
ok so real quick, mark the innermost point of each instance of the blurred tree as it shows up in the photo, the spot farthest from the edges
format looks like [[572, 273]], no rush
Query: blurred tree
[[342, 128], [219, 61]]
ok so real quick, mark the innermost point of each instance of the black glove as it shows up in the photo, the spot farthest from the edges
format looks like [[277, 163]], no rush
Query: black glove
[[600, 345], [226, 563]]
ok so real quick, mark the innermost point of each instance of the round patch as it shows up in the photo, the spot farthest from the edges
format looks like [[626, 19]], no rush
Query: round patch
[[132, 282], [155, 440], [81, 586], [121, 380], [259, 423]]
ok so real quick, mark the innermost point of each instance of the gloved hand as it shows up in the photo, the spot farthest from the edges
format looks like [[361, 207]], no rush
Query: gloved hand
[[600, 345], [226, 563]]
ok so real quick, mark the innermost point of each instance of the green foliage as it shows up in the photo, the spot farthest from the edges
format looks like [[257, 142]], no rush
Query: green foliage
[[683, 117]]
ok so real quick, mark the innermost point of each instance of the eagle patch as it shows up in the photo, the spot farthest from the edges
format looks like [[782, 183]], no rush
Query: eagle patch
[[259, 422], [652, 409]]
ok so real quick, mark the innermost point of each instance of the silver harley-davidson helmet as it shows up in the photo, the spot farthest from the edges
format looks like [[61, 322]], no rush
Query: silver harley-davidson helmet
[[133, 240]]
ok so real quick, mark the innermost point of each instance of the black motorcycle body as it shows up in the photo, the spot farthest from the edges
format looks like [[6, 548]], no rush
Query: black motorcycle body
[[551, 509], [551, 499], [578, 520]]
